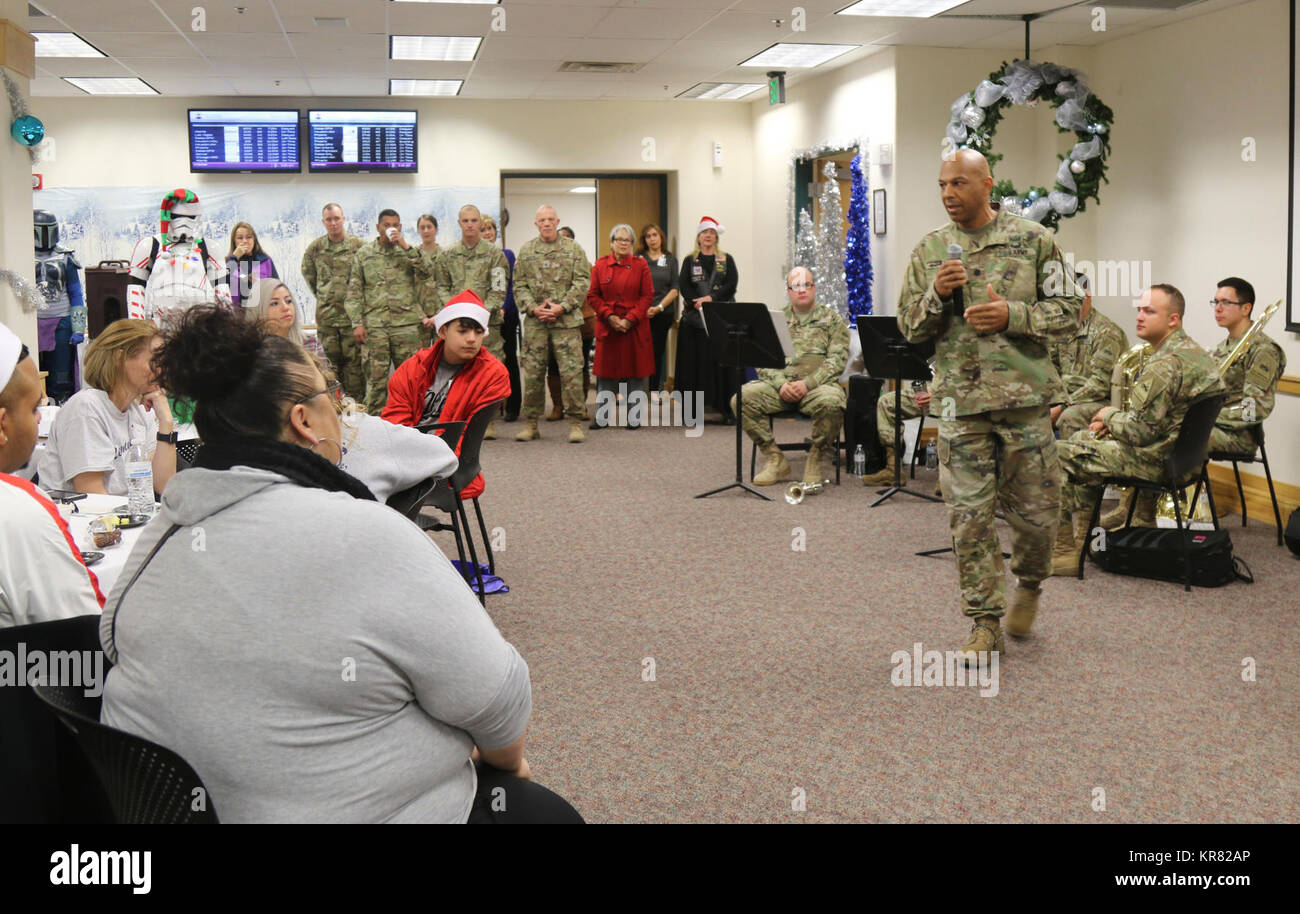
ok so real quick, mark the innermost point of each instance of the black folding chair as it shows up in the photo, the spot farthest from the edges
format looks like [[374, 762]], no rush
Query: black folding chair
[[1184, 464], [147, 784], [803, 445], [445, 497], [1257, 433], [409, 501]]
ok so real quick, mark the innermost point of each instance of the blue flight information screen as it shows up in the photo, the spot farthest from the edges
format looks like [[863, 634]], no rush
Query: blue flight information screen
[[353, 141], [232, 140]]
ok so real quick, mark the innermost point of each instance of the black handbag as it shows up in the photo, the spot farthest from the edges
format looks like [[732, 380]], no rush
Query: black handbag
[[1157, 552]]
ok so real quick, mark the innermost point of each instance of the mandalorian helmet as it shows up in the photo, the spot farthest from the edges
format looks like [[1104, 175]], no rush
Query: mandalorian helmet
[[46, 227]]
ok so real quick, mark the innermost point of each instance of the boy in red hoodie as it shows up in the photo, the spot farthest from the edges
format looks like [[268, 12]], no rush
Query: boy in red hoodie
[[453, 378]]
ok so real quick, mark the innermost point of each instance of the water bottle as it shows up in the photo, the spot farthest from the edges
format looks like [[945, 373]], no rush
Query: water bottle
[[859, 461], [139, 481], [931, 457]]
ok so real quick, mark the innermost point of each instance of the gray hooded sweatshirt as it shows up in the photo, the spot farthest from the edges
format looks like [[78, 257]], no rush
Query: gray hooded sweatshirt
[[314, 657]]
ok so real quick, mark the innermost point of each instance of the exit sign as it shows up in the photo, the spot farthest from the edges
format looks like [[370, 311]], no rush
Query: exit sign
[[776, 87]]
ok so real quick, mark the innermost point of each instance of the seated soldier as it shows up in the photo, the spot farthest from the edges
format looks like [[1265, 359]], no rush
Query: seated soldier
[[912, 403], [42, 574], [1251, 380], [452, 379], [1177, 374], [809, 382], [1085, 362]]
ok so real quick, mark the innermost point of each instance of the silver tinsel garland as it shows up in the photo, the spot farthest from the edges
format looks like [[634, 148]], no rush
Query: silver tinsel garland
[[831, 287], [805, 245], [829, 147], [18, 108], [24, 290]]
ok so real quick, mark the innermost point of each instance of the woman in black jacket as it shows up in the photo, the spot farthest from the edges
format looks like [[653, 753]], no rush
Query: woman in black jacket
[[708, 275]]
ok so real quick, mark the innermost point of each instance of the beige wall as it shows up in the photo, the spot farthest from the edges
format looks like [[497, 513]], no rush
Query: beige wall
[[15, 204], [130, 142]]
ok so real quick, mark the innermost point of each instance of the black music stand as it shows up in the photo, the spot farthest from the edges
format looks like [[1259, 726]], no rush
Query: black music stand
[[741, 335], [889, 356]]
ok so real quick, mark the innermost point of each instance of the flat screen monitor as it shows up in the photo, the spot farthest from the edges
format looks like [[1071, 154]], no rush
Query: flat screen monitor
[[234, 140], [361, 141]]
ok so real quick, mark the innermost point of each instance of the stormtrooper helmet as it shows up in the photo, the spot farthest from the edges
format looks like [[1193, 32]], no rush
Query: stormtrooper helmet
[[179, 216], [46, 227]]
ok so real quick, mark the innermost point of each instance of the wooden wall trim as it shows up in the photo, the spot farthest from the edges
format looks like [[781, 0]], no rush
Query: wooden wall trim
[[1258, 504], [1289, 384]]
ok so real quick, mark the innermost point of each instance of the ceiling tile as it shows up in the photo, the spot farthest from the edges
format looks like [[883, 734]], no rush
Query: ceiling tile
[[262, 85], [118, 16], [80, 66], [48, 86], [650, 23], [243, 45], [140, 44], [220, 18], [364, 16], [192, 86], [275, 67], [347, 87]]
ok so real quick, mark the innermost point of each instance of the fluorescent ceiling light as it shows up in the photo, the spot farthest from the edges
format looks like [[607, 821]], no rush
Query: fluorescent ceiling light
[[912, 9], [424, 86], [582, 190], [433, 47], [798, 55], [64, 44], [725, 91], [111, 85]]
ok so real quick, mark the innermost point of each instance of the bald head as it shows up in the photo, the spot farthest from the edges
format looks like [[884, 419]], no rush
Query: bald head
[[964, 186], [802, 288]]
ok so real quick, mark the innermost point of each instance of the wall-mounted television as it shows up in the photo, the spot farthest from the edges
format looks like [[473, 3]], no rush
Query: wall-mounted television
[[244, 140], [361, 141]]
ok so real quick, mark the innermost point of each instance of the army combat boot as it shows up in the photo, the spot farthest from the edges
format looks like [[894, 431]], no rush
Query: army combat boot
[[1024, 606], [557, 405], [775, 469], [491, 433], [576, 435], [1145, 513], [1115, 517], [1065, 554], [882, 477], [529, 432], [985, 637], [812, 468]]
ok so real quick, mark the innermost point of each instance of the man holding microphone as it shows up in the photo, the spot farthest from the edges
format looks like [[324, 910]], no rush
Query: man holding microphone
[[976, 287]]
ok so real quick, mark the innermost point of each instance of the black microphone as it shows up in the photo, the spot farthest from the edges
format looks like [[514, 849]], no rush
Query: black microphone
[[958, 300]]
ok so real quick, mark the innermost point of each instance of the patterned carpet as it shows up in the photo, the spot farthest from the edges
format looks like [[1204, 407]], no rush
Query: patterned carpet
[[772, 700]]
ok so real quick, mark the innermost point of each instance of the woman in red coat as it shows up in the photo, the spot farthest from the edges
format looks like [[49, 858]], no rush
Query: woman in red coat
[[621, 292]]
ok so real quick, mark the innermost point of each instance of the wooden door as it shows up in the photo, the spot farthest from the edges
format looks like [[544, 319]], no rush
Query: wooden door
[[634, 200]]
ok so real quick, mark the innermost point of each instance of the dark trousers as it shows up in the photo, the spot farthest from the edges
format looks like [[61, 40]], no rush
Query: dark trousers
[[503, 799], [510, 339], [660, 324], [59, 361]]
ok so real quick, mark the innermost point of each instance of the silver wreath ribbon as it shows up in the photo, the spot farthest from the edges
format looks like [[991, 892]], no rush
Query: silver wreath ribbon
[[972, 116], [1064, 176], [1038, 210], [1063, 203], [1085, 151], [988, 92], [957, 132], [25, 291], [1022, 79]]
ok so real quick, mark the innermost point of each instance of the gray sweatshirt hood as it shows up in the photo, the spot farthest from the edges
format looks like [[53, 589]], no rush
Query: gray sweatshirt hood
[[196, 494]]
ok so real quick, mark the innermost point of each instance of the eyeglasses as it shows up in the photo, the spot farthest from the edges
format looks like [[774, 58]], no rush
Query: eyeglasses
[[801, 286], [332, 389], [622, 240], [1223, 303]]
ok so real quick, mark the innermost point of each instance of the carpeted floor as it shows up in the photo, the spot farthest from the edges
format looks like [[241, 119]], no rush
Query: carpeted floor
[[772, 667]]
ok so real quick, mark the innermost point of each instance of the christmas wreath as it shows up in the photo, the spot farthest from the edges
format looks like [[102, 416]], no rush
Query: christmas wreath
[[974, 123]]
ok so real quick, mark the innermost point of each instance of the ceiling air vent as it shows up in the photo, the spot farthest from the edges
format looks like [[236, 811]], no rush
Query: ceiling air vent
[[585, 66], [329, 22], [35, 12]]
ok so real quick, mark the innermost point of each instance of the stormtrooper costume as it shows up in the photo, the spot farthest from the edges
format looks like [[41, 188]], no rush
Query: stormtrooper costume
[[172, 271], [61, 319]]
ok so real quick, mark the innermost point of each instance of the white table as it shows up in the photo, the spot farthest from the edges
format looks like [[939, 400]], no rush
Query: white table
[[110, 566]]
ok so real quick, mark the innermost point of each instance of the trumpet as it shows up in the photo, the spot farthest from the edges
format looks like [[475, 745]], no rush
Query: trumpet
[[796, 493]]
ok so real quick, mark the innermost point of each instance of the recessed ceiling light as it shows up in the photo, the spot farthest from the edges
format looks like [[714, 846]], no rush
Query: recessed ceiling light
[[912, 9], [798, 55], [64, 44], [585, 189], [724, 91], [111, 85], [433, 47], [424, 86]]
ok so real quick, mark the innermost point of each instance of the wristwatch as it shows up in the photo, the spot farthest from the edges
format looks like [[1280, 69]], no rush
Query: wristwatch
[[170, 438]]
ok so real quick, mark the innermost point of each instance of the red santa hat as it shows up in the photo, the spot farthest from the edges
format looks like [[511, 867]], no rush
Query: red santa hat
[[708, 222], [466, 304]]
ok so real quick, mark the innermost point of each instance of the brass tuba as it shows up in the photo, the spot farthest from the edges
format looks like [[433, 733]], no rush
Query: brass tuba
[[1127, 368], [1256, 328]]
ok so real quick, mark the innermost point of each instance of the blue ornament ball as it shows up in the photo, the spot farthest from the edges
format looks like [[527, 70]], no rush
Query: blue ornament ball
[[1032, 195], [28, 130]]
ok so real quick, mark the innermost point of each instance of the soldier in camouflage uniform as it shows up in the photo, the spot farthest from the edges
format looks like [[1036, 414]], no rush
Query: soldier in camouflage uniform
[[482, 268], [1176, 374], [1085, 362], [992, 383], [384, 306], [1251, 381], [912, 403], [552, 276], [809, 382], [327, 267]]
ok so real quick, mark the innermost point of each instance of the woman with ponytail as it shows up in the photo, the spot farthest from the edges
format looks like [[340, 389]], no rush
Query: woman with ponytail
[[300, 683]]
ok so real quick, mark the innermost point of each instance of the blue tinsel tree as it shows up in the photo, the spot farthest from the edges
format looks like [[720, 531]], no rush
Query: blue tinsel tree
[[857, 246]]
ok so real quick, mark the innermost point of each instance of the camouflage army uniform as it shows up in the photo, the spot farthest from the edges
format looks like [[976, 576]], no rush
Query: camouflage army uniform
[[990, 393], [885, 412], [1251, 383], [382, 297], [1175, 376], [821, 350], [327, 266], [485, 271], [1085, 362], [557, 270]]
